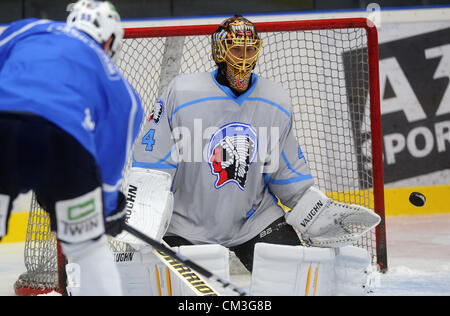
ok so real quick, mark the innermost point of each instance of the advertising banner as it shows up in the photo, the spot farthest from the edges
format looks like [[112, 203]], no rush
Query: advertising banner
[[415, 102]]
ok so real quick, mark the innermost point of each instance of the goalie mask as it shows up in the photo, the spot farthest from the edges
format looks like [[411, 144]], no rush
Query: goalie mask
[[235, 48], [98, 19]]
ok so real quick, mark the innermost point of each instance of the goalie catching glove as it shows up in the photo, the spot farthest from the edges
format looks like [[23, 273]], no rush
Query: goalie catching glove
[[323, 222]]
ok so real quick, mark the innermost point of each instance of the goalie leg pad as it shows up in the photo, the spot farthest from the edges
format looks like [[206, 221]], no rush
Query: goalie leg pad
[[309, 271], [214, 258], [144, 274], [291, 271], [354, 273]]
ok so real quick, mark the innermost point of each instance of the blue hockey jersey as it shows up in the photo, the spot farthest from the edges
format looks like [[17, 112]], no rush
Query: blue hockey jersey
[[57, 72]]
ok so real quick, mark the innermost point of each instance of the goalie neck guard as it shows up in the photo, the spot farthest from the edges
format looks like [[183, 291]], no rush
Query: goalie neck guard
[[236, 46], [98, 19]]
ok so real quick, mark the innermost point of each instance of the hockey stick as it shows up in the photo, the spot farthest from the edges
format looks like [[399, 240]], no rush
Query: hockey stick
[[192, 279], [188, 276], [166, 251]]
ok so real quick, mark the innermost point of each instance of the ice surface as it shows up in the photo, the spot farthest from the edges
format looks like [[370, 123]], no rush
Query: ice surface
[[418, 259]]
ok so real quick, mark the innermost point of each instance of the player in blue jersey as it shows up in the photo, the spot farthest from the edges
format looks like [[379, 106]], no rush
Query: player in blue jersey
[[68, 119]]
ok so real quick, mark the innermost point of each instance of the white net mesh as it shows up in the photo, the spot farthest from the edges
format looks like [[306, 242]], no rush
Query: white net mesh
[[41, 255]]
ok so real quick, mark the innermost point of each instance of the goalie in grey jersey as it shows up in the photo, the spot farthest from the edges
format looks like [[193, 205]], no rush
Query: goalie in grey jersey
[[227, 140]]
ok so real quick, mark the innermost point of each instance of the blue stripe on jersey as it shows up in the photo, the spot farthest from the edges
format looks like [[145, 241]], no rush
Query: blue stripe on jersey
[[178, 108], [230, 96], [272, 104], [288, 164], [300, 176], [251, 212], [155, 165], [300, 153]]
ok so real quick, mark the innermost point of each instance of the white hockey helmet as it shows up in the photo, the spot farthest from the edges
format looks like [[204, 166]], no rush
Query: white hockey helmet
[[99, 19]]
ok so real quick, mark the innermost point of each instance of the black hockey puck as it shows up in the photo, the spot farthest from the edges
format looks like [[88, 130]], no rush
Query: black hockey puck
[[417, 199]]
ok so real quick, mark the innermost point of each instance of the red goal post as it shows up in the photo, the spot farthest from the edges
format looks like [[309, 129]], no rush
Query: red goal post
[[330, 69]]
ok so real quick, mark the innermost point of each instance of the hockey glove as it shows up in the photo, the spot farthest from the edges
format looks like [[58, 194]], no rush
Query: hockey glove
[[115, 221], [323, 222]]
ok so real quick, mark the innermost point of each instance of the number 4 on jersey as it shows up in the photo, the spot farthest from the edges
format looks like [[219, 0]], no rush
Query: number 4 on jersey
[[149, 140]]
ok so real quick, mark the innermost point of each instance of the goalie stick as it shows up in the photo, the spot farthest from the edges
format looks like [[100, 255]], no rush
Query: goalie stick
[[163, 251]]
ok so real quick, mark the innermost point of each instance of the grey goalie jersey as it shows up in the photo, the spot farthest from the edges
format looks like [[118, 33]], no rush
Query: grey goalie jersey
[[232, 159]]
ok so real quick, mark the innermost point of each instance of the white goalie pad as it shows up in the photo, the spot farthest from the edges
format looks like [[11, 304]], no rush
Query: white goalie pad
[[214, 258], [146, 274], [280, 270], [142, 274], [354, 273], [326, 223], [149, 204]]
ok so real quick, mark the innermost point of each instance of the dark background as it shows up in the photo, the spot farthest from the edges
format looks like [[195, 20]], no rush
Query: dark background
[[11, 10]]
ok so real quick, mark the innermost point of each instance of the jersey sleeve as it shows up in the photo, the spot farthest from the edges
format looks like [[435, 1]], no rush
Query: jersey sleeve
[[15, 27], [293, 176], [115, 138], [155, 147]]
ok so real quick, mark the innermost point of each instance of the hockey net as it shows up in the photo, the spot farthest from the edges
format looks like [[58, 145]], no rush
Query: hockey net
[[330, 69]]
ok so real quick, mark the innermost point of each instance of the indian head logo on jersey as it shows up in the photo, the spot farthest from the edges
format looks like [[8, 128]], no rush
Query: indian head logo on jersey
[[231, 151], [157, 112]]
